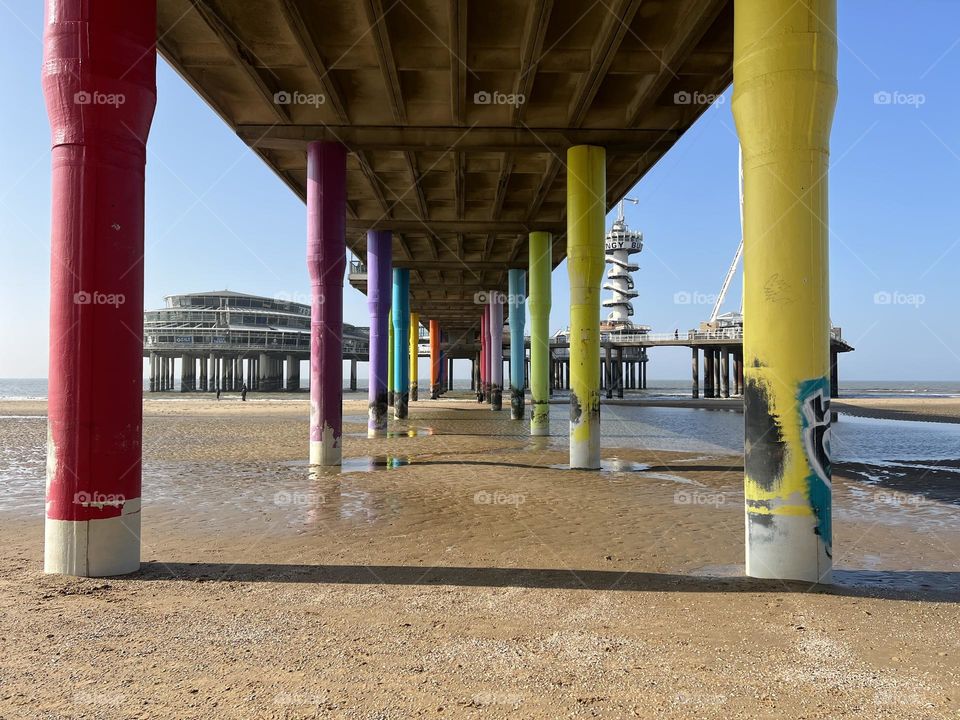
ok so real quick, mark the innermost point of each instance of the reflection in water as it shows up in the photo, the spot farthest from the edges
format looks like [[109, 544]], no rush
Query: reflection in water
[[372, 462], [411, 432], [609, 465]]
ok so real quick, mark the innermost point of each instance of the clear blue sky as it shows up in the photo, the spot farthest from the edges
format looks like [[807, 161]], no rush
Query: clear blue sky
[[217, 217]]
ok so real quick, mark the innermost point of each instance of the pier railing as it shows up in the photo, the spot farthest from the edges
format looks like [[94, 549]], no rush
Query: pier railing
[[240, 341]]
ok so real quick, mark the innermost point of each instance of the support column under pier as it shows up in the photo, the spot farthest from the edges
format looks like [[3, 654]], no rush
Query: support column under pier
[[379, 292], [264, 372], [496, 350], [695, 367], [708, 372], [716, 372], [184, 373], [95, 393], [401, 342], [586, 211], [484, 355], [326, 261], [619, 373], [517, 298], [414, 357], [435, 360], [293, 373], [725, 373], [607, 372], [785, 92], [834, 375], [390, 371]]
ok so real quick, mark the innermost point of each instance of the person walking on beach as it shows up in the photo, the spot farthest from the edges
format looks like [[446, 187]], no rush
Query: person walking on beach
[[243, 393], [218, 394]]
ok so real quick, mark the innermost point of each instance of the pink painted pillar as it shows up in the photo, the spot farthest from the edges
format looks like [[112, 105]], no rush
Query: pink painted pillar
[[99, 83], [483, 355], [326, 261]]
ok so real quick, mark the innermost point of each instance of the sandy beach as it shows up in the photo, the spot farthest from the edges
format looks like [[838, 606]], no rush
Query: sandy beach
[[926, 409], [457, 569]]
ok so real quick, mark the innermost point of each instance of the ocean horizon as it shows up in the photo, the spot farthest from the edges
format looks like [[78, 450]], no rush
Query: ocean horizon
[[36, 388]]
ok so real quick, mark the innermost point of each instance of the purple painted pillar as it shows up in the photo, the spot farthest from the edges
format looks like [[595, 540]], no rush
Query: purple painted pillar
[[379, 293], [326, 261]]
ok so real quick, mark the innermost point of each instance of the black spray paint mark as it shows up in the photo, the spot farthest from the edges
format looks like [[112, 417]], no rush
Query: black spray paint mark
[[575, 410], [764, 448]]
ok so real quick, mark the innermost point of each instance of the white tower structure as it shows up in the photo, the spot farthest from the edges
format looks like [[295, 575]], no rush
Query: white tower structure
[[621, 243]]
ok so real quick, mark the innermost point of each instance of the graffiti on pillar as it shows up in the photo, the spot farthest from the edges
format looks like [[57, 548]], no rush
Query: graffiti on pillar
[[764, 446], [813, 398]]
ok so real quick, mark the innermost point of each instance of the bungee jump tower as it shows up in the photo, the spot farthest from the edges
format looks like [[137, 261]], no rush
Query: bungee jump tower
[[621, 242]]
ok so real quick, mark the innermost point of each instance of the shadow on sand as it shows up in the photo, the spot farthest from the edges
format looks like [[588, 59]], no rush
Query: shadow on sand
[[894, 585]]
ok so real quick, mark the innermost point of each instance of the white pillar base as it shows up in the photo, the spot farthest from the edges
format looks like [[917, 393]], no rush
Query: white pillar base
[[539, 431], [325, 452], [585, 454], [787, 549], [376, 433], [94, 548]]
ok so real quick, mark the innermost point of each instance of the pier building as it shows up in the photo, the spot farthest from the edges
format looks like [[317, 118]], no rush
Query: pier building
[[226, 340]]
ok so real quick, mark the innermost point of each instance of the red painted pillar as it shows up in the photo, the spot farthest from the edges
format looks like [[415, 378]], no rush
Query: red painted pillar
[[326, 261], [99, 83]]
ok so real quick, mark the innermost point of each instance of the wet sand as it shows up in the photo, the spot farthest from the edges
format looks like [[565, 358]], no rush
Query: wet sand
[[929, 409], [457, 570]]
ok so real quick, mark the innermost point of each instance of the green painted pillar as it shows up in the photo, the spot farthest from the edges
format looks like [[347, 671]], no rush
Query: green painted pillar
[[586, 214], [538, 304]]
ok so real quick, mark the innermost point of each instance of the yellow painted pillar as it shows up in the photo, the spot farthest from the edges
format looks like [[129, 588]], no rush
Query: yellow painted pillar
[[785, 81], [586, 213], [414, 353], [539, 302], [391, 383]]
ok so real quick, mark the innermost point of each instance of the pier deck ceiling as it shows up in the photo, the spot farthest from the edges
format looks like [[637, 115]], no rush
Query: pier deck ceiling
[[456, 115]]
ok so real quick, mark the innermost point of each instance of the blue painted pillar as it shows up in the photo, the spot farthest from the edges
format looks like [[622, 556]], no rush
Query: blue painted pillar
[[401, 342], [518, 312]]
